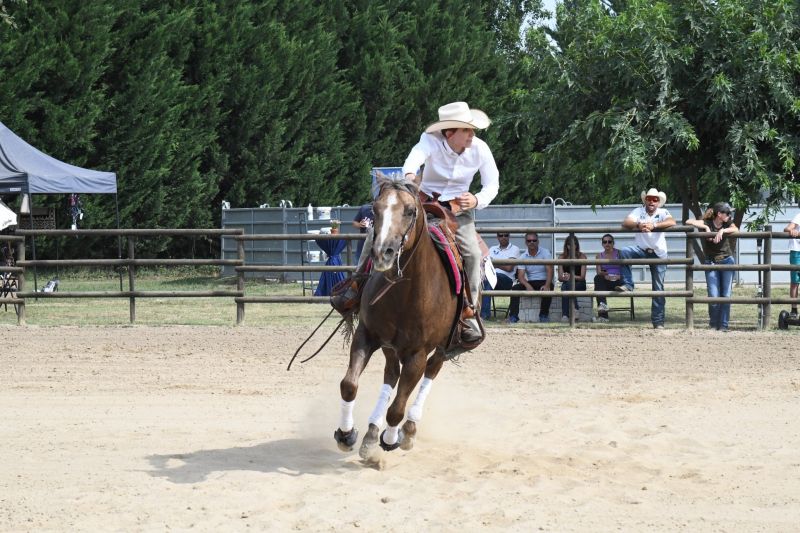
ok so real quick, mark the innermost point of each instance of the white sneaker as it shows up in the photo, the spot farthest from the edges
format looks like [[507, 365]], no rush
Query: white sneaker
[[603, 307], [602, 319], [564, 318]]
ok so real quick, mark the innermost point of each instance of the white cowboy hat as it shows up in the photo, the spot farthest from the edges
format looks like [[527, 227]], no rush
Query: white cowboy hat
[[459, 115], [662, 196]]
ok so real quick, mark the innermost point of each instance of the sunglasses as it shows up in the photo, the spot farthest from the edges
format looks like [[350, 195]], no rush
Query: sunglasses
[[607, 242], [500, 235], [652, 199], [531, 240]]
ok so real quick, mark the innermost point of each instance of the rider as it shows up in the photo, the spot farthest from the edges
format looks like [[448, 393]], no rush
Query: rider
[[452, 155]]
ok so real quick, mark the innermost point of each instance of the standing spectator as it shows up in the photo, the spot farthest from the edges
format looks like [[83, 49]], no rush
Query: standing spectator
[[793, 229], [533, 277], [608, 277], [505, 273], [650, 244], [717, 249], [362, 222], [567, 272]]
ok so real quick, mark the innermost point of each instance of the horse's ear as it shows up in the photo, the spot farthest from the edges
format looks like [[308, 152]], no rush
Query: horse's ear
[[417, 179]]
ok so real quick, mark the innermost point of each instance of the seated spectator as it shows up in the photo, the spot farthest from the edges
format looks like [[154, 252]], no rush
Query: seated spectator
[[566, 273], [505, 273], [608, 277], [533, 277]]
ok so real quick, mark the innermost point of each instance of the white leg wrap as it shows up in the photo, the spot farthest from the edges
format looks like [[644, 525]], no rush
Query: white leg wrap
[[415, 413], [346, 416], [390, 437], [378, 414]]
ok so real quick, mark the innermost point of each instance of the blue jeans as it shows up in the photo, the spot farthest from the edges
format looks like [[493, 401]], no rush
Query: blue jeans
[[504, 283], [720, 284], [580, 285], [657, 273]]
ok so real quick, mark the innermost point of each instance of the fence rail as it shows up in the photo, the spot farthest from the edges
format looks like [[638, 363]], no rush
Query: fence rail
[[764, 300], [130, 263]]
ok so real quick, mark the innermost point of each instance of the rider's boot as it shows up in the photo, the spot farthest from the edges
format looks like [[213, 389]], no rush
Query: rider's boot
[[471, 331], [346, 295]]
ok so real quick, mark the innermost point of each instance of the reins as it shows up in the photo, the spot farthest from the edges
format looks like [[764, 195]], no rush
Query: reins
[[311, 335], [389, 282]]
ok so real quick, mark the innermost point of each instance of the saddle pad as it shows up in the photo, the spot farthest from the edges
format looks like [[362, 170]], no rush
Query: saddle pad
[[446, 254]]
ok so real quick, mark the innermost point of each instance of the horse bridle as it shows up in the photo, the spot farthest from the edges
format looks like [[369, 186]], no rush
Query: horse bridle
[[392, 282], [417, 206]]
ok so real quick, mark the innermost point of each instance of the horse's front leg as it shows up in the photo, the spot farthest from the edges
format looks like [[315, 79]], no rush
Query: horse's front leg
[[391, 373], [361, 350], [409, 377]]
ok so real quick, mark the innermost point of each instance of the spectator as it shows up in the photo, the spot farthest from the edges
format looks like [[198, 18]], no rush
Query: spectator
[[608, 277], [362, 222], [793, 229], [650, 244], [568, 272], [533, 277], [505, 273], [717, 249]]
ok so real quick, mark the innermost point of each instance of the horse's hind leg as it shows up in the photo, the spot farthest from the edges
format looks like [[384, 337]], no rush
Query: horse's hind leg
[[360, 352], [415, 412]]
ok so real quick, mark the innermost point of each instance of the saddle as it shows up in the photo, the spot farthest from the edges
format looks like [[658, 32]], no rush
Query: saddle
[[442, 226]]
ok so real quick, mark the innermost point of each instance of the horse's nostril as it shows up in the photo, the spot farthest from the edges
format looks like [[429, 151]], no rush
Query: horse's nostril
[[389, 252]]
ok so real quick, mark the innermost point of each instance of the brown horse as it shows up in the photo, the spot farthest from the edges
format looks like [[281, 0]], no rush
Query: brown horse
[[407, 310]]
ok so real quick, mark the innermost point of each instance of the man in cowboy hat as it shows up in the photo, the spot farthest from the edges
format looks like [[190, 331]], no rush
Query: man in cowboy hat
[[452, 155], [650, 244]]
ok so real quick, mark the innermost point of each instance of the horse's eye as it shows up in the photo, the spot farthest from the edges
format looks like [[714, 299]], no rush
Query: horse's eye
[[409, 212]]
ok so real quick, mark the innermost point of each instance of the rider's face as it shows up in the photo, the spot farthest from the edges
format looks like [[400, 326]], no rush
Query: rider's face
[[460, 139]]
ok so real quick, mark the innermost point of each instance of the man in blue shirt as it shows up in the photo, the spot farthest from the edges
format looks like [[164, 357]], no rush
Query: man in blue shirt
[[533, 278]]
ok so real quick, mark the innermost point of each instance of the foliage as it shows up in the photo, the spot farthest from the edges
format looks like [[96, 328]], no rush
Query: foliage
[[696, 97], [196, 102]]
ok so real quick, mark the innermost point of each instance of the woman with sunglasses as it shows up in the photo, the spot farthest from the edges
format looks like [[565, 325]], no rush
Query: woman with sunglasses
[[568, 272], [608, 277], [718, 251]]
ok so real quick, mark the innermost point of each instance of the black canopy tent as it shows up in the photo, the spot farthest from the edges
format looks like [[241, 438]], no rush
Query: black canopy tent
[[26, 170]]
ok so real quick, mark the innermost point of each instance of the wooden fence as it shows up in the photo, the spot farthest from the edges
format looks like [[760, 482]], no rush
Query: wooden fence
[[130, 262]]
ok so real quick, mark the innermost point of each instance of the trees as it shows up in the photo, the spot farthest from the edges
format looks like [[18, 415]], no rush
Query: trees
[[700, 98]]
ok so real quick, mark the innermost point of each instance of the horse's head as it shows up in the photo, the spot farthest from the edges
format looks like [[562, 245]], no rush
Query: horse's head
[[396, 211]]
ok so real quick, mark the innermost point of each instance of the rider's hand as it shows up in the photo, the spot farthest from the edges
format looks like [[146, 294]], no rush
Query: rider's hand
[[467, 200]]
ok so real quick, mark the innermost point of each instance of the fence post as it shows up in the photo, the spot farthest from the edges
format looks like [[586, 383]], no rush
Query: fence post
[[768, 275], [689, 285], [132, 277], [21, 283], [240, 282]]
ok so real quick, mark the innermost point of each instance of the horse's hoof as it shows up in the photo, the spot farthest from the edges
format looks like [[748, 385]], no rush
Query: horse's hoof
[[407, 435], [390, 447], [367, 449], [346, 441]]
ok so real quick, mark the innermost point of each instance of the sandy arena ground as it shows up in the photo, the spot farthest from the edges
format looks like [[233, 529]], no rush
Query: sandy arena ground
[[150, 429]]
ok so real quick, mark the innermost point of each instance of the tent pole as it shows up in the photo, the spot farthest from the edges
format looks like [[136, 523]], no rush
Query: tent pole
[[119, 240], [33, 243]]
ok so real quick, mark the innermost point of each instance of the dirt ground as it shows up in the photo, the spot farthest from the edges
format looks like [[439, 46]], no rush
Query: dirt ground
[[156, 428]]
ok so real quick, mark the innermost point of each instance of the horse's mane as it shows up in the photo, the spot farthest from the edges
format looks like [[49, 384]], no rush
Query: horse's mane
[[400, 183]]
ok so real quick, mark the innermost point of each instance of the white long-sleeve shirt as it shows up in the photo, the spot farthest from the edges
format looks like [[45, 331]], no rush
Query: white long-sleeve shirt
[[450, 174]]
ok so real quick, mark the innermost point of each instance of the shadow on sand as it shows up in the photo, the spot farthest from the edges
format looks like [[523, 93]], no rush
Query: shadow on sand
[[291, 457]]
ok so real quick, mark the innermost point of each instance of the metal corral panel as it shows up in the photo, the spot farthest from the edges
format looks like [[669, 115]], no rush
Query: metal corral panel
[[295, 220]]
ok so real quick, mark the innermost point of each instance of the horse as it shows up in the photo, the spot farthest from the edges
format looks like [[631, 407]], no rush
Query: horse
[[407, 310]]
